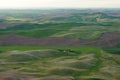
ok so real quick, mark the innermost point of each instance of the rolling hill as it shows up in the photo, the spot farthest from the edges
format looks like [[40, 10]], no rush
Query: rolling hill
[[85, 24], [58, 63], [60, 44]]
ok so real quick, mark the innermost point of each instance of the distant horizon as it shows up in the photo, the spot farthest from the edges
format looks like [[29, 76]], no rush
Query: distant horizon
[[53, 4], [51, 8], [57, 8]]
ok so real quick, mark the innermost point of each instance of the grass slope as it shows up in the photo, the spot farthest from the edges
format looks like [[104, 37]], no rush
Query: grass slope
[[76, 63], [70, 30], [86, 24]]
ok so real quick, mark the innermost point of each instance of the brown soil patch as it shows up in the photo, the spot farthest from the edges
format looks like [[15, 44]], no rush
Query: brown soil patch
[[110, 39]]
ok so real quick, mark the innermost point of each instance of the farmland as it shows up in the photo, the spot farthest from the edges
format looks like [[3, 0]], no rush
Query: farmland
[[48, 23], [60, 44], [61, 63]]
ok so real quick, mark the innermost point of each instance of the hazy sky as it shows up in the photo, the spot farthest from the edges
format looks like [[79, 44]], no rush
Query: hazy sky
[[59, 3]]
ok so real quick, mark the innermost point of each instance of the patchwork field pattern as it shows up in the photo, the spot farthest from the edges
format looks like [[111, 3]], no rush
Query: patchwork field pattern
[[64, 44]]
